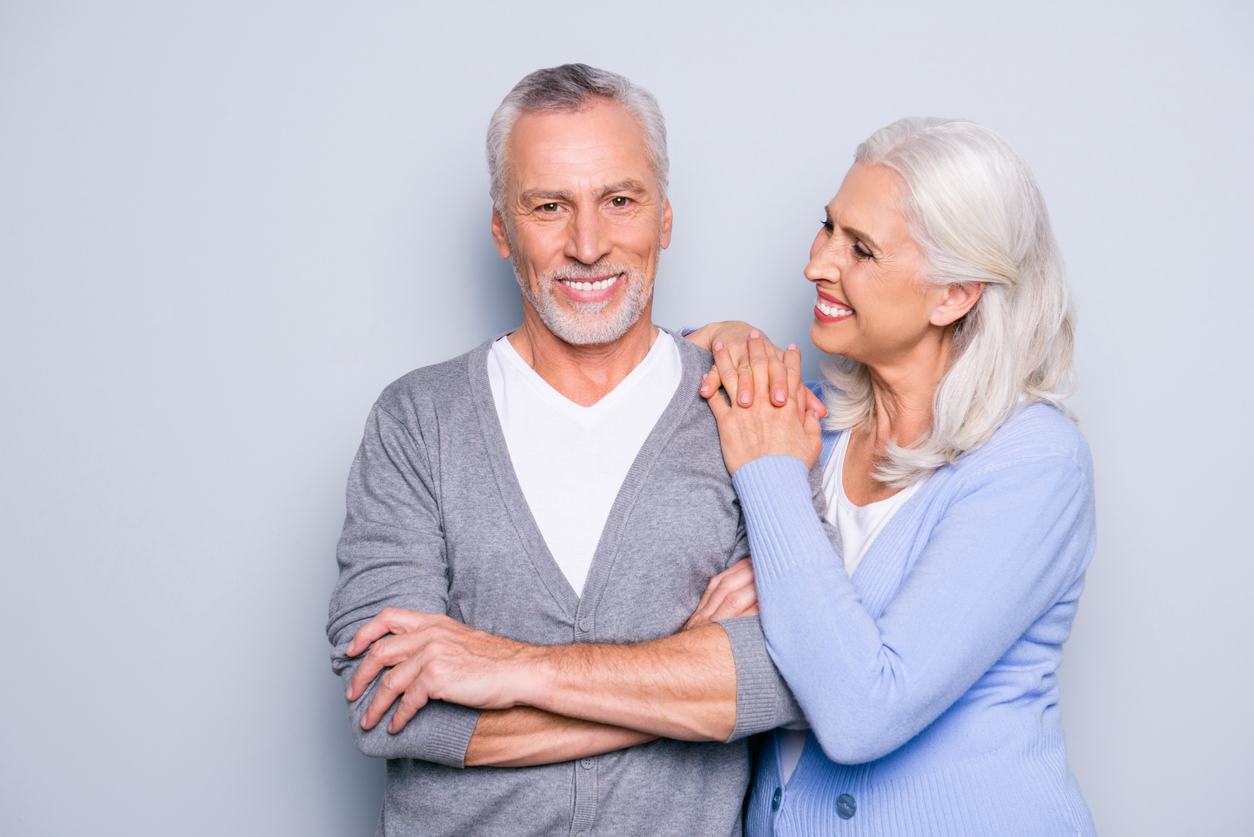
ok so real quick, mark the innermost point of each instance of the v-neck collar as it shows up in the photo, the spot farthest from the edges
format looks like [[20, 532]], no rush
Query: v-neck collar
[[519, 512], [873, 570], [593, 412]]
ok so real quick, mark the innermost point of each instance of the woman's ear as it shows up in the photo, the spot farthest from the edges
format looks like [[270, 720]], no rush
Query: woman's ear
[[956, 301]]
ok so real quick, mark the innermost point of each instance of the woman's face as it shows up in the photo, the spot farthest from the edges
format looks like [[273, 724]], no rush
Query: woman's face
[[866, 268]]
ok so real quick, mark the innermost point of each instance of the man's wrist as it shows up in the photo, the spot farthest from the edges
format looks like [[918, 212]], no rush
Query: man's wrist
[[531, 676]]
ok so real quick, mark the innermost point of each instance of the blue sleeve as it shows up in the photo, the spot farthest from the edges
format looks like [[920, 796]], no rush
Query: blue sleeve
[[1012, 540]]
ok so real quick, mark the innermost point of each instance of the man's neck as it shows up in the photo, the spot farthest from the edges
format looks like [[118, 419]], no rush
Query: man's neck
[[584, 374]]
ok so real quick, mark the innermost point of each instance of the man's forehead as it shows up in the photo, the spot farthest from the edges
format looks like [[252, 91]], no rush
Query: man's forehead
[[593, 148]]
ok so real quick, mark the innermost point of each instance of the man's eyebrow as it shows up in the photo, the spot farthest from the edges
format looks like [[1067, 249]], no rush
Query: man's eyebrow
[[541, 196], [625, 186]]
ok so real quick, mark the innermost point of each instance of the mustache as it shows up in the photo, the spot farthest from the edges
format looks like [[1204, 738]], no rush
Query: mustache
[[581, 272]]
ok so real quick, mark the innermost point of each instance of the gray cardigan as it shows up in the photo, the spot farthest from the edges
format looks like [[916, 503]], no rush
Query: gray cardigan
[[437, 522]]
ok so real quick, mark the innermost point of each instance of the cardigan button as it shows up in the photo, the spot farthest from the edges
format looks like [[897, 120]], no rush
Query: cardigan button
[[845, 806], [587, 763], [779, 794], [585, 624]]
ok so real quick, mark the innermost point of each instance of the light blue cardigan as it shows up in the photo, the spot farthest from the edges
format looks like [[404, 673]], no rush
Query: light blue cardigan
[[929, 677]]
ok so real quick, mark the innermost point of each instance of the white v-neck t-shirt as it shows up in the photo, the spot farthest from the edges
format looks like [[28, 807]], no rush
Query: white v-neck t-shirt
[[859, 526], [571, 460]]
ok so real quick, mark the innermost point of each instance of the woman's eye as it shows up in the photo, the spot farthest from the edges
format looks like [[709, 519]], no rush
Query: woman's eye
[[859, 250], [828, 226]]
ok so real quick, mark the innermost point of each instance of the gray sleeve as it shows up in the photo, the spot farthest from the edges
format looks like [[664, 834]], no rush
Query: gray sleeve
[[392, 554], [763, 699]]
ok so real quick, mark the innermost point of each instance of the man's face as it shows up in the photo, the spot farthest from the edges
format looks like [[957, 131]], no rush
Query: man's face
[[583, 220]]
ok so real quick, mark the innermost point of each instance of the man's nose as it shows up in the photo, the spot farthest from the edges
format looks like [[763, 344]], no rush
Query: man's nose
[[589, 238]]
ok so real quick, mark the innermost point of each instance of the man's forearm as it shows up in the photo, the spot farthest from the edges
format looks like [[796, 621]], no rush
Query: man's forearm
[[681, 686], [524, 736]]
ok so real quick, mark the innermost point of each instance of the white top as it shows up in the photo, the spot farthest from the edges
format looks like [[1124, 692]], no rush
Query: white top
[[571, 460], [859, 526]]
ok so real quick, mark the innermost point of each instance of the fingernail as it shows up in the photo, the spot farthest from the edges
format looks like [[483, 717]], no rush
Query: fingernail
[[744, 398], [792, 346], [779, 395], [754, 333], [718, 347]]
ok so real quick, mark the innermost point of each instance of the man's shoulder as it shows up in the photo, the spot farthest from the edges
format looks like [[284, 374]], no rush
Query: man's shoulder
[[445, 384]]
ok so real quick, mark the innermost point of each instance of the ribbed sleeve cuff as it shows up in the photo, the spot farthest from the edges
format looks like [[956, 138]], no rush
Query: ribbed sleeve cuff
[[763, 701], [447, 729], [778, 501]]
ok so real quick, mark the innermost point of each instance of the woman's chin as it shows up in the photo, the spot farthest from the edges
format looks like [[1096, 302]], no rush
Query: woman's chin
[[824, 340]]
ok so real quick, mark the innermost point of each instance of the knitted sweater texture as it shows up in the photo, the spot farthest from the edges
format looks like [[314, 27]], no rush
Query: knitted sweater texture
[[928, 678], [437, 522]]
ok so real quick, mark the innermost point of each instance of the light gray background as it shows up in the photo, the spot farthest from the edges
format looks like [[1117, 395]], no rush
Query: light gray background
[[224, 227]]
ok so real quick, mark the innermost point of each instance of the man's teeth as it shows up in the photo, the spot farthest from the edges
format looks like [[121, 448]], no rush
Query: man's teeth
[[589, 286], [833, 310]]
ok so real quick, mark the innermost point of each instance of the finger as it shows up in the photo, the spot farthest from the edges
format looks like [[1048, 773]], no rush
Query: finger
[[385, 652], [726, 583], [736, 603], [367, 634], [813, 402], [792, 363], [390, 620], [758, 365], [727, 371], [708, 594], [710, 382], [391, 685], [778, 375], [414, 698]]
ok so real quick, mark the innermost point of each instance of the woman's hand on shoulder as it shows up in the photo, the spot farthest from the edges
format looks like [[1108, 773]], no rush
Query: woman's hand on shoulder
[[733, 337], [751, 427]]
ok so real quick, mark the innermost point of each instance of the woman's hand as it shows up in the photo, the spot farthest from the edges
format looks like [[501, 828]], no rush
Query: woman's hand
[[729, 342], [732, 338], [764, 429], [730, 593]]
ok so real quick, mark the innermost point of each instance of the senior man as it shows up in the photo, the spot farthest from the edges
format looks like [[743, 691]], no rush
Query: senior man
[[531, 524]]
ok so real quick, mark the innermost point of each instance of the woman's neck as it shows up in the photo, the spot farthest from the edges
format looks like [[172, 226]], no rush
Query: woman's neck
[[904, 391]]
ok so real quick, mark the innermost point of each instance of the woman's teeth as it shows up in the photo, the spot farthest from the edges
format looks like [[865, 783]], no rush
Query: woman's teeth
[[833, 310], [589, 286]]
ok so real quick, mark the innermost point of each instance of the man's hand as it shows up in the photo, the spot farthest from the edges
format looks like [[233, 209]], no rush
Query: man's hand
[[730, 593], [432, 656]]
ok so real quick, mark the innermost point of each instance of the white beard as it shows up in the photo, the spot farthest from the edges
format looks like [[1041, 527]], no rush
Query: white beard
[[589, 324]]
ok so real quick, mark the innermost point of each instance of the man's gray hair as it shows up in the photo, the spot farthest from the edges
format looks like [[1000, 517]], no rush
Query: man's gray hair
[[977, 215], [573, 87]]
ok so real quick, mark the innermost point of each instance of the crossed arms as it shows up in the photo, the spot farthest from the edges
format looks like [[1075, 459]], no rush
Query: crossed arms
[[555, 703], [541, 703]]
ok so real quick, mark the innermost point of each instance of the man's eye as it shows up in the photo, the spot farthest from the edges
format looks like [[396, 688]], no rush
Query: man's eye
[[548, 207], [619, 201]]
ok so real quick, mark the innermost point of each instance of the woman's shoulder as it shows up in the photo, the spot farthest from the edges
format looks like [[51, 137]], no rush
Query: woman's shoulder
[[1037, 431]]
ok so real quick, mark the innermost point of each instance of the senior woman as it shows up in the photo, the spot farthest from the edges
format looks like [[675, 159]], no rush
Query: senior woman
[[920, 621]]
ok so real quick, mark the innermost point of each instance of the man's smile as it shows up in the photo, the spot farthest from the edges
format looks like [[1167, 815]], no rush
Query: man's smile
[[591, 290]]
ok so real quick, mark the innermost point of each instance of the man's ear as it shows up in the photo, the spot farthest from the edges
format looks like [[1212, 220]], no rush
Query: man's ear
[[667, 218], [500, 236], [956, 301]]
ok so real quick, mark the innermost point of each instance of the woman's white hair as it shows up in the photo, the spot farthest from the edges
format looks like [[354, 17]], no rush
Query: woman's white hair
[[977, 215], [573, 87]]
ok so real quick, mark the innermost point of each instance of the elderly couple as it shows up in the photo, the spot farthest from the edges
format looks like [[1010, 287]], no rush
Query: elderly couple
[[546, 617]]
